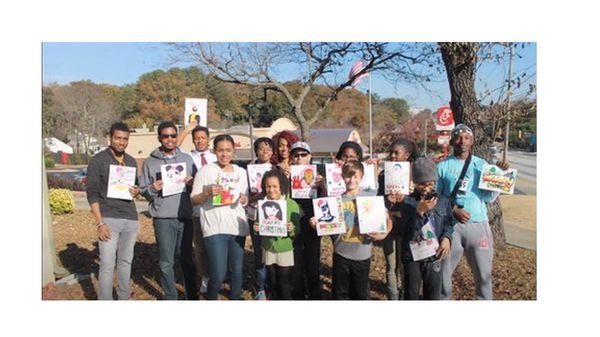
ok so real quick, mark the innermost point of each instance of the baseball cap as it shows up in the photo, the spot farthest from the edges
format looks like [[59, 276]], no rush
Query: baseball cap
[[300, 146]]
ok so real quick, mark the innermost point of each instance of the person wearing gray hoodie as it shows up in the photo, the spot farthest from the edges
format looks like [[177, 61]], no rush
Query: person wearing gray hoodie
[[171, 214]]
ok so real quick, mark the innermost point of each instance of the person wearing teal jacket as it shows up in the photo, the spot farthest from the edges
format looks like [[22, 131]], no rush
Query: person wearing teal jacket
[[278, 251]]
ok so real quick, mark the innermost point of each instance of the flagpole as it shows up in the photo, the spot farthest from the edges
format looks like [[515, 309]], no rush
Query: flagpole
[[370, 121]]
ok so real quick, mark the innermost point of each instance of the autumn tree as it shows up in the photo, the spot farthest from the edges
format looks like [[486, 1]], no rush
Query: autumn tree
[[259, 64]]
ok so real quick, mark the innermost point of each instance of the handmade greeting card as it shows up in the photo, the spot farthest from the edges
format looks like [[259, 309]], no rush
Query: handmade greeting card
[[120, 179], [231, 188], [329, 215], [426, 244], [495, 179], [369, 181], [173, 177], [272, 217], [255, 174], [195, 109], [371, 214], [335, 182], [397, 177], [303, 181]]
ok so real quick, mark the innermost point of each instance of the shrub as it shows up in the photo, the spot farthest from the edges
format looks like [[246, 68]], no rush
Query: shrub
[[70, 184], [49, 162], [61, 201]]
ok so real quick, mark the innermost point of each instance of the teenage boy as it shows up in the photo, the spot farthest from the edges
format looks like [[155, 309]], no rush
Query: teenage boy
[[172, 214]]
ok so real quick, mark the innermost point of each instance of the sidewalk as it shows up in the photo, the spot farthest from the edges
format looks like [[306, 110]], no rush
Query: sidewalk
[[520, 224]]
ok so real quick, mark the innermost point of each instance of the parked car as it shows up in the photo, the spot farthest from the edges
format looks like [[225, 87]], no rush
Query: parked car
[[81, 176]]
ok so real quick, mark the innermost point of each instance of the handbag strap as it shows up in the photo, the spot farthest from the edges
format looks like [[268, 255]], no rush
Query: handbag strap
[[460, 178]]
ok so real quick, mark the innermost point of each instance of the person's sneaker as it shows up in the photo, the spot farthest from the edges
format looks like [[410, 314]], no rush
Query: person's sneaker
[[261, 296], [204, 285]]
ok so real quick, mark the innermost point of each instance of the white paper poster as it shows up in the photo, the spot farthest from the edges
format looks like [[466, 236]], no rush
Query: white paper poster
[[426, 244], [335, 182], [196, 109], [495, 179], [272, 217], [120, 179], [303, 181], [255, 174], [231, 182], [329, 215], [371, 214], [397, 177], [173, 177], [369, 181]]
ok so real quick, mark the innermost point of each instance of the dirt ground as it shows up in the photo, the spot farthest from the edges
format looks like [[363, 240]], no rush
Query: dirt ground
[[514, 269]]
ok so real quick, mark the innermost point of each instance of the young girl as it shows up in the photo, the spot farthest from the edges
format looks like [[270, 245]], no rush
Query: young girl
[[278, 252], [352, 250], [264, 149], [400, 150], [224, 227]]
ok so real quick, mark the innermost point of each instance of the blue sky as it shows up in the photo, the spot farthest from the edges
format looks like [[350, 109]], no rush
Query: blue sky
[[121, 63]]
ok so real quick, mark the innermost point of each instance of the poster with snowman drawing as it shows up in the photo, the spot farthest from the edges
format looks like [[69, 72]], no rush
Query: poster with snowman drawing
[[397, 177], [304, 181], [173, 177], [272, 216]]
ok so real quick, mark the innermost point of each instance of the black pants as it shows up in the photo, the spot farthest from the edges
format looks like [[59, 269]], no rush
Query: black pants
[[187, 260], [427, 273], [280, 281], [350, 278], [307, 262]]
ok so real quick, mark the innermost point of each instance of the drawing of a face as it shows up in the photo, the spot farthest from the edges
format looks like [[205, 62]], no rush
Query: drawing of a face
[[324, 206], [309, 175], [272, 211]]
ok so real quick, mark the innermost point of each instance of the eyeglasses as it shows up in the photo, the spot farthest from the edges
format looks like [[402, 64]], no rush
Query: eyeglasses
[[301, 154], [168, 135]]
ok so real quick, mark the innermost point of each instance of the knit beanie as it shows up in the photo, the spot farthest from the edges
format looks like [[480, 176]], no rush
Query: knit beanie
[[424, 170]]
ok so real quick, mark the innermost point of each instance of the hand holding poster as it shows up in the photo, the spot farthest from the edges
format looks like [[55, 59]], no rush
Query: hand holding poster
[[255, 174], [230, 181], [120, 179], [371, 214], [195, 109], [272, 217], [426, 244], [303, 181], [495, 179], [397, 177], [173, 177], [335, 182], [329, 215], [368, 182]]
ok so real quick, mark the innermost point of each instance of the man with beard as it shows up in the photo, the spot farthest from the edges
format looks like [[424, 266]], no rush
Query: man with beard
[[116, 220], [458, 180]]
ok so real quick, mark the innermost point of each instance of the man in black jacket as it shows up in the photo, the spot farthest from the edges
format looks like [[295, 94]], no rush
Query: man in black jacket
[[116, 220]]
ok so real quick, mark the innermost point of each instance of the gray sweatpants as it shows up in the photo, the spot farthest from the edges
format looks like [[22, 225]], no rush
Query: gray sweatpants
[[474, 239]]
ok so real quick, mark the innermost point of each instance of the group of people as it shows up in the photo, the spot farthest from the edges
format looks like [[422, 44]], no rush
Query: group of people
[[208, 240]]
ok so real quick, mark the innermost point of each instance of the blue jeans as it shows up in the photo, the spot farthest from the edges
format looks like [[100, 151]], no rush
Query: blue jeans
[[119, 248], [224, 251], [174, 240], [260, 271]]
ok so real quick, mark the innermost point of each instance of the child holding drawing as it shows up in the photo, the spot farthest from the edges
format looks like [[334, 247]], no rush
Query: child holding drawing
[[352, 250], [278, 252]]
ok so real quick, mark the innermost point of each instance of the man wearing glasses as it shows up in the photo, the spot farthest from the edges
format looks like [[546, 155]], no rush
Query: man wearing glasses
[[172, 214]]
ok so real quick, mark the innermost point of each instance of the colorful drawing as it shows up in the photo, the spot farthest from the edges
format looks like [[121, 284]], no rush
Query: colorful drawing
[[255, 174], [369, 182], [495, 179], [120, 179], [272, 217], [397, 177], [426, 243], [335, 182], [173, 177], [303, 181], [195, 109], [329, 215], [231, 188], [371, 214]]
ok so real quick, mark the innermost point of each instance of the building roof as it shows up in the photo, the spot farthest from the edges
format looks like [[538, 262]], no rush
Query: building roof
[[329, 140]]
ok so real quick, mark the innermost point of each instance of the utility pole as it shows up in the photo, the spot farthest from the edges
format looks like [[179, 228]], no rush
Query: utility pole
[[508, 104], [425, 140]]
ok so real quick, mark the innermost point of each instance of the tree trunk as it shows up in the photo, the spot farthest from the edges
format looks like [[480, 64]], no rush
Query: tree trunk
[[460, 60]]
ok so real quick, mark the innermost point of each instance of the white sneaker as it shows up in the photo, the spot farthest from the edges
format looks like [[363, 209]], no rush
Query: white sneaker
[[204, 285]]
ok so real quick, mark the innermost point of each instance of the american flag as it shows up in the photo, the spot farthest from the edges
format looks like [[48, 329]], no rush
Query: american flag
[[356, 68]]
